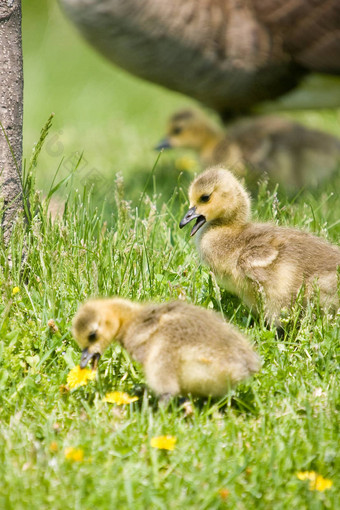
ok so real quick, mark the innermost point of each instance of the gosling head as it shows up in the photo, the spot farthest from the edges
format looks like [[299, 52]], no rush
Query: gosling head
[[189, 129], [96, 324], [216, 196]]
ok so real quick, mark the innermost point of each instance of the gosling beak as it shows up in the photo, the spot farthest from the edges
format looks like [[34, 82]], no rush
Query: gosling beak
[[87, 356], [163, 144], [191, 215]]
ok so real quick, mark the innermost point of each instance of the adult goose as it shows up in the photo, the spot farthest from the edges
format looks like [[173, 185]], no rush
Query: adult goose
[[228, 54]]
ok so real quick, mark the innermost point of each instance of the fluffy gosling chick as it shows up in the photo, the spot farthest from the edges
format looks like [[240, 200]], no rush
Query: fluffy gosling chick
[[289, 153], [184, 349], [257, 259]]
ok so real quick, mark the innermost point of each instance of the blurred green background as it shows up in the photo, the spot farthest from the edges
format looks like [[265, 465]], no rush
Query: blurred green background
[[114, 119], [109, 116]]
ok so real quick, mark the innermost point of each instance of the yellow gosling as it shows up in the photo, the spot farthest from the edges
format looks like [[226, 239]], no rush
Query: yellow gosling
[[287, 152], [257, 261], [184, 349]]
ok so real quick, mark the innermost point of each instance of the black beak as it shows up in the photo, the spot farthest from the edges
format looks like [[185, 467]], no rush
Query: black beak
[[87, 356], [191, 215], [163, 144]]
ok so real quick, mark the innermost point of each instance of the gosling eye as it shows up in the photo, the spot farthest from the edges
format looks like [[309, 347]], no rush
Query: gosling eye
[[177, 130], [205, 198], [92, 336]]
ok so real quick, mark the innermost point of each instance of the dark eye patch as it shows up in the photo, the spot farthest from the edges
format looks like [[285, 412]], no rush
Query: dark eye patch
[[205, 198], [92, 336], [176, 130]]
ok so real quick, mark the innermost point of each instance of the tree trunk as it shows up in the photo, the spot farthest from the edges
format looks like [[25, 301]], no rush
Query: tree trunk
[[11, 113]]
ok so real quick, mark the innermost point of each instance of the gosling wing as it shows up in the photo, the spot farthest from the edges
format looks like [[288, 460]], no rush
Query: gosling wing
[[256, 260]]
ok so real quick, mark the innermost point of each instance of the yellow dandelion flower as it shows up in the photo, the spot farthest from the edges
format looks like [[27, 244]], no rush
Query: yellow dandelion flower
[[54, 446], [119, 398], [74, 454], [15, 291], [320, 484], [305, 475], [185, 164], [224, 493], [163, 442], [316, 482], [80, 376]]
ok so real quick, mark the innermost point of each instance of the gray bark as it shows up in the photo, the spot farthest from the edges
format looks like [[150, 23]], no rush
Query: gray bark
[[11, 112]]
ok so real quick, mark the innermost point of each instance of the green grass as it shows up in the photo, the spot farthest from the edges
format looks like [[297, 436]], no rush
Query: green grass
[[252, 443], [284, 420]]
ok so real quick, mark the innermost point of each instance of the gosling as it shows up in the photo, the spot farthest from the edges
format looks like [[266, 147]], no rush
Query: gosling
[[287, 152], [184, 349], [259, 262]]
